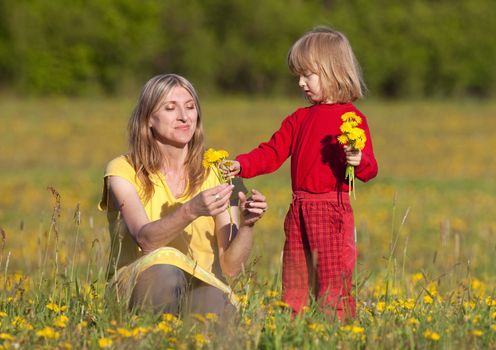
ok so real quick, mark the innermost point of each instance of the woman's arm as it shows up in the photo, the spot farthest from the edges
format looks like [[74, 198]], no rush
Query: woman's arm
[[151, 235], [234, 251]]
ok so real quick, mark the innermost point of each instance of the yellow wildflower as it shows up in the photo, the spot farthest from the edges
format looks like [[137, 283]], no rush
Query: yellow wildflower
[[493, 327], [428, 334], [211, 316], [20, 322], [212, 157], [477, 333], [272, 293], [124, 332], [48, 333], [3, 314], [417, 277], [281, 303], [6, 336], [316, 327], [61, 321], [81, 325], [354, 137], [169, 317], [428, 299], [200, 340], [56, 308], [490, 302], [357, 330], [105, 343], [66, 345], [412, 321], [381, 306], [163, 327]]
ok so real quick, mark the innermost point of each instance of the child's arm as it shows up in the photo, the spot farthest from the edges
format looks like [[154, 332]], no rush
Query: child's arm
[[270, 155]]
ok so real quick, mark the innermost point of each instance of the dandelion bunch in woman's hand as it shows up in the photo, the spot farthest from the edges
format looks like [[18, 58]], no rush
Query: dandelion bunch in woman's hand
[[354, 137], [215, 160]]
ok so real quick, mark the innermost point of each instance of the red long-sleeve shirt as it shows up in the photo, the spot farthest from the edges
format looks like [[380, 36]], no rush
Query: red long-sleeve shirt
[[318, 161]]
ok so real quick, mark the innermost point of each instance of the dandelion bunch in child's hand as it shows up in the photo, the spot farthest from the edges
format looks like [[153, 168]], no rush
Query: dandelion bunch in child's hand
[[353, 137]]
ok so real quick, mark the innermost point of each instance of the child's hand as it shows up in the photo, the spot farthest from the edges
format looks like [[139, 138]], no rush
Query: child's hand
[[353, 156], [230, 168]]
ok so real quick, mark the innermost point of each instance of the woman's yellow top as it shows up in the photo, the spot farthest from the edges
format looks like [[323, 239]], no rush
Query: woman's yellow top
[[197, 242]]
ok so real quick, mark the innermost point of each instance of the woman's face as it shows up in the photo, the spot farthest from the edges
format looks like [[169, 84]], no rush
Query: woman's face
[[174, 121]]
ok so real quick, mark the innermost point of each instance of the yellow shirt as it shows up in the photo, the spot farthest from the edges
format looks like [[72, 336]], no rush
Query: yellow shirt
[[197, 241]]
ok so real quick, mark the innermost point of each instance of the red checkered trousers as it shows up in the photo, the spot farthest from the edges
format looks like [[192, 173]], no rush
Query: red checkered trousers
[[319, 253]]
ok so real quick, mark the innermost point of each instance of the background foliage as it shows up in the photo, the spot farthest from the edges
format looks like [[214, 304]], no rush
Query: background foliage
[[418, 48]]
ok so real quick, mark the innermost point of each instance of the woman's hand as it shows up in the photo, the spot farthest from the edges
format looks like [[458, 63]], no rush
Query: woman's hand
[[210, 202], [353, 156], [252, 208]]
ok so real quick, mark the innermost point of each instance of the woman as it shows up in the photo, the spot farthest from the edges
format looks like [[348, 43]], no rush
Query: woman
[[171, 236]]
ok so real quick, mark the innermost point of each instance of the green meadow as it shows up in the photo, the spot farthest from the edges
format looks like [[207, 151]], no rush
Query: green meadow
[[425, 276]]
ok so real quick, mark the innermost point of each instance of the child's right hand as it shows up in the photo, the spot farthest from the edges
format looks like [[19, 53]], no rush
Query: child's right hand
[[230, 168]]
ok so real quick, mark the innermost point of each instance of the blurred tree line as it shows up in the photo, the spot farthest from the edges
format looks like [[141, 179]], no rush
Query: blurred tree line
[[406, 49]]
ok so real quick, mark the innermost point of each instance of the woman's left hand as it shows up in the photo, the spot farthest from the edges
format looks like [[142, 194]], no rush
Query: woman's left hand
[[252, 208]]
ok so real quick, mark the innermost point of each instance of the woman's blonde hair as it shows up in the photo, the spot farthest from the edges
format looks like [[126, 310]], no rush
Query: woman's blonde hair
[[144, 153], [327, 53]]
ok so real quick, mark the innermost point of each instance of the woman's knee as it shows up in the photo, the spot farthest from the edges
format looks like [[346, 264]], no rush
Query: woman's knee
[[160, 287]]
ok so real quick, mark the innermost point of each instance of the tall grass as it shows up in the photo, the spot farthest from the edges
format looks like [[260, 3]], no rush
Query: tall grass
[[425, 275]]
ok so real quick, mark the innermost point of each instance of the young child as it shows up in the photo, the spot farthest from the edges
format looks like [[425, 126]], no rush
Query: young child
[[319, 225]]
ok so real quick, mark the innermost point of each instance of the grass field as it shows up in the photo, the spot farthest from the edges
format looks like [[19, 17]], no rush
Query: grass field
[[425, 227]]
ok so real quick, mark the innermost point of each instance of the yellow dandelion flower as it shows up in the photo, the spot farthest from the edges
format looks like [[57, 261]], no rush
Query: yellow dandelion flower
[[428, 334], [357, 330], [61, 321], [81, 325], [163, 327], [6, 336], [432, 289], [493, 315], [3, 314], [343, 139], [346, 128], [413, 322], [48, 333], [211, 316], [169, 317], [20, 322], [493, 327], [281, 303], [316, 327], [123, 332], [105, 342], [428, 299], [200, 340], [417, 277], [381, 306], [477, 333], [272, 293]]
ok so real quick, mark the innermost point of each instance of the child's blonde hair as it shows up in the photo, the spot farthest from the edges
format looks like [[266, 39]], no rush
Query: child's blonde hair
[[327, 53]]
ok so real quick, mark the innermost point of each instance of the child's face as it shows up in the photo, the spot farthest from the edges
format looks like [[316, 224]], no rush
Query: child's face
[[310, 84]]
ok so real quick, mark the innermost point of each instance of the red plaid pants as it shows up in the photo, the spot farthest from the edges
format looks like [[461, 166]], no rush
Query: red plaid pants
[[319, 252]]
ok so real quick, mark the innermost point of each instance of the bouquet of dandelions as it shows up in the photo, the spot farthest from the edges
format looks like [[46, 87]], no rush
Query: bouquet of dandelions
[[215, 160], [354, 137]]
